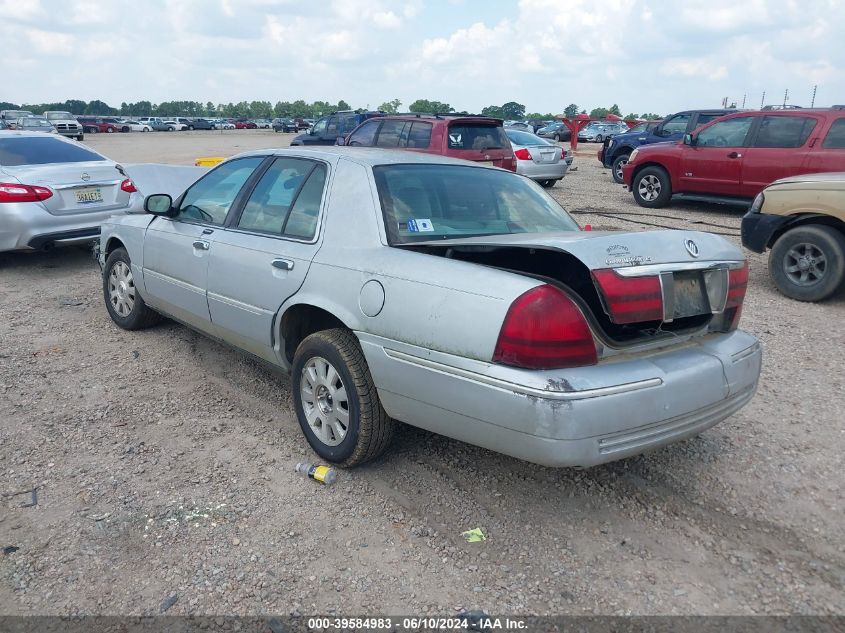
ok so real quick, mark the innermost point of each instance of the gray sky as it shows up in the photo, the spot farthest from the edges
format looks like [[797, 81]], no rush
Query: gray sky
[[645, 55]]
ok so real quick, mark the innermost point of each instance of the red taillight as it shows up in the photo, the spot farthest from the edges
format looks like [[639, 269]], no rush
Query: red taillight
[[522, 154], [128, 186], [630, 299], [737, 284], [545, 329], [11, 192]]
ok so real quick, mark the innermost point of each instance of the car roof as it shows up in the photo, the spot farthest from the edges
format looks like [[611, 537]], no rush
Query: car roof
[[414, 116], [24, 133], [365, 156]]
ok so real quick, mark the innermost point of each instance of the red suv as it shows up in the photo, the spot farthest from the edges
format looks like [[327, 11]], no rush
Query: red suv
[[732, 158], [93, 124], [475, 138]]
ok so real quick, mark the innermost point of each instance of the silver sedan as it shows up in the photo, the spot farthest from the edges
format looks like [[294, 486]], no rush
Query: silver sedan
[[55, 191], [537, 158], [402, 286]]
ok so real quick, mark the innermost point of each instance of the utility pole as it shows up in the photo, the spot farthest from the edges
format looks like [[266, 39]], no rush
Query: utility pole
[[743, 102], [813, 100], [763, 100], [785, 97]]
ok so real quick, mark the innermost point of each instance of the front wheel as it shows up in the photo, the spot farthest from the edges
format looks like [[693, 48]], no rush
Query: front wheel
[[557, 138], [336, 401], [599, 138], [616, 168], [807, 263], [125, 305], [109, 130], [81, 137], [652, 187], [125, 129]]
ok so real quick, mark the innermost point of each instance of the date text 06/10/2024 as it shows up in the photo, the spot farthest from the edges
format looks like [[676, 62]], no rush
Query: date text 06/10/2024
[[476, 623]]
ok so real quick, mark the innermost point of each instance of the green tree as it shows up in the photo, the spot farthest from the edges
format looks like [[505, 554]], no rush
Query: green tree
[[538, 115], [391, 107], [6, 105], [598, 113], [570, 111], [342, 105], [494, 111], [650, 116], [99, 107], [513, 110], [632, 117], [614, 109], [424, 105]]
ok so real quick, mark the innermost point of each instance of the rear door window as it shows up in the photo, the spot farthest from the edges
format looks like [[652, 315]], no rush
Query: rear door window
[[478, 136], [419, 135], [677, 124], [706, 118], [835, 138], [365, 135], [784, 131]]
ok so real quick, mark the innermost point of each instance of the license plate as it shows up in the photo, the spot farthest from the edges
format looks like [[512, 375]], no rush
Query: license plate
[[486, 162], [88, 196], [690, 295]]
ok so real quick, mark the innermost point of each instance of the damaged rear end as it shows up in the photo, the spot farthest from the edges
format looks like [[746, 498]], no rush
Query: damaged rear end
[[613, 292]]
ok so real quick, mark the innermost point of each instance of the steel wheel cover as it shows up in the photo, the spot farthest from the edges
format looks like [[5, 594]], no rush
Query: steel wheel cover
[[324, 401], [122, 289], [805, 264]]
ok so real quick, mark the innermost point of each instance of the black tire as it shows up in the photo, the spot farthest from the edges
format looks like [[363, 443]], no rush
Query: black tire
[[81, 137], [369, 430], [616, 167], [661, 187], [125, 129], [140, 316], [547, 184], [599, 138], [824, 277], [190, 128], [109, 130], [557, 138]]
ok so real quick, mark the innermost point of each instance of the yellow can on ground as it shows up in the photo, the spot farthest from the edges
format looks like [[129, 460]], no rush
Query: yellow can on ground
[[209, 161]]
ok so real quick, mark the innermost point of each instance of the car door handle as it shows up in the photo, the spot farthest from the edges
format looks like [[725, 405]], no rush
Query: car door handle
[[201, 245], [282, 264], [734, 155]]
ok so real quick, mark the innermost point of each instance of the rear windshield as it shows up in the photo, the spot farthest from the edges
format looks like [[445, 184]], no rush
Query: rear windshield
[[526, 138], [433, 202], [24, 150], [477, 136]]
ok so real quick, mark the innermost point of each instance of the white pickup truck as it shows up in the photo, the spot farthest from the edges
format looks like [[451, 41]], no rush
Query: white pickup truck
[[65, 124]]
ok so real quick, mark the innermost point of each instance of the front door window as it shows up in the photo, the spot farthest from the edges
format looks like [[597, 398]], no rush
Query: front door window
[[209, 200]]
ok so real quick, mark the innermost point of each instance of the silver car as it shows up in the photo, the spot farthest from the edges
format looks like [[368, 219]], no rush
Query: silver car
[[599, 131], [537, 158], [402, 286], [55, 191]]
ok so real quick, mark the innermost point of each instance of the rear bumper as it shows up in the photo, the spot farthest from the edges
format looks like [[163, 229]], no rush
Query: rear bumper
[[540, 171], [28, 226], [758, 228], [578, 417]]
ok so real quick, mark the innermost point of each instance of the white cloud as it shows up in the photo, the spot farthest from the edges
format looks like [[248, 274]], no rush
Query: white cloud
[[694, 67], [50, 42]]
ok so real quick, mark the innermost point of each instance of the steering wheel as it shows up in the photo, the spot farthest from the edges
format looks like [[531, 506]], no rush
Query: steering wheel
[[205, 215]]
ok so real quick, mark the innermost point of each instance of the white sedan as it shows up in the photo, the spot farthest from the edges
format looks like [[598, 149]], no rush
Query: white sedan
[[135, 126], [175, 126]]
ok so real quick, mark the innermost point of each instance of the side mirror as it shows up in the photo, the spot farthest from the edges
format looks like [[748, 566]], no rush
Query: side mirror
[[689, 139], [340, 141], [159, 204]]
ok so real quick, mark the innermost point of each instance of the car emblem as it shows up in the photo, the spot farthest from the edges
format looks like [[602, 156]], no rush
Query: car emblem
[[692, 247], [85, 177]]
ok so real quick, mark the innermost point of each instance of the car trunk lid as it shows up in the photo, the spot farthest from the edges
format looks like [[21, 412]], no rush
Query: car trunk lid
[[85, 187]]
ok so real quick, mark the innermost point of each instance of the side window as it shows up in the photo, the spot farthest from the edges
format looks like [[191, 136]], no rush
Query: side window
[[319, 128], [706, 118], [332, 129], [420, 134], [302, 221], [390, 134], [784, 131], [730, 133], [365, 135], [271, 200], [347, 123], [210, 198], [835, 138], [677, 124]]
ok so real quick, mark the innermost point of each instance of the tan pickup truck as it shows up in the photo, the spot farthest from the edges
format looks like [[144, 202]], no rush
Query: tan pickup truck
[[802, 221]]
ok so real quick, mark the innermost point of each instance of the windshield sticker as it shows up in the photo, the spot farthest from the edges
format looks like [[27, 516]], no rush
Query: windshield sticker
[[423, 225]]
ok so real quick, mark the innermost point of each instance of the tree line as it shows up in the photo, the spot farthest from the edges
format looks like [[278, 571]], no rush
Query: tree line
[[299, 108]]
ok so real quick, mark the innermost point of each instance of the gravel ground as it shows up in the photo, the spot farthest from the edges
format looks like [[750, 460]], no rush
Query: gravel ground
[[163, 464]]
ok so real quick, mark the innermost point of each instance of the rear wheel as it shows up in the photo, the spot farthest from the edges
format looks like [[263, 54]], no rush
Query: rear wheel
[[191, 128], [807, 263], [124, 129], [109, 130], [557, 138], [599, 138], [336, 400], [81, 137], [125, 305], [618, 163], [652, 187], [548, 184]]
